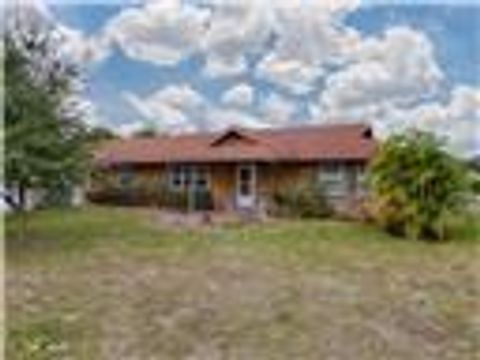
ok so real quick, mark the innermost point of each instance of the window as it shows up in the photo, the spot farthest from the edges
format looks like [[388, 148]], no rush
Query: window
[[245, 181], [176, 178], [333, 180], [201, 179], [188, 177], [360, 180], [125, 177]]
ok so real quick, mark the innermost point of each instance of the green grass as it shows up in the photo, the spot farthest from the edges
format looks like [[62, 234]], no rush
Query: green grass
[[104, 283]]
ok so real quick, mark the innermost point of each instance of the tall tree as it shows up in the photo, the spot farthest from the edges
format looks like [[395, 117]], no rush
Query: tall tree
[[44, 139], [416, 185]]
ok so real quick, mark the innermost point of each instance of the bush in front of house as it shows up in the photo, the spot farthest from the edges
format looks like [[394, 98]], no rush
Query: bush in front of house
[[148, 195], [116, 195], [203, 200], [305, 200], [183, 199], [475, 181], [173, 199], [415, 186]]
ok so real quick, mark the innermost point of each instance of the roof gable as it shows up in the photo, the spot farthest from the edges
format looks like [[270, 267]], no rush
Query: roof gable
[[233, 136]]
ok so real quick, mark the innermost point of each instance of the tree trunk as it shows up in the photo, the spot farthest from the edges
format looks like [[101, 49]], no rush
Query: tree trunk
[[22, 193], [22, 211]]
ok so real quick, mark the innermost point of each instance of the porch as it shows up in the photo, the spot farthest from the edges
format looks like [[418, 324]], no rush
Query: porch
[[235, 186], [224, 186]]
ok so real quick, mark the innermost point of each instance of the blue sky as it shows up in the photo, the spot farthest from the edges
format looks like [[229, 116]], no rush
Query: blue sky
[[453, 29], [139, 76]]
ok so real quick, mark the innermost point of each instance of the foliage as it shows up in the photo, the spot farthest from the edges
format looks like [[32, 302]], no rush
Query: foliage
[[415, 185], [305, 200], [474, 180], [144, 194], [145, 133], [476, 185], [38, 341], [44, 141], [149, 130], [98, 134]]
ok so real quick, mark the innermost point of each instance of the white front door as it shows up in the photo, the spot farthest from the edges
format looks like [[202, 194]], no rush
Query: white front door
[[246, 186]]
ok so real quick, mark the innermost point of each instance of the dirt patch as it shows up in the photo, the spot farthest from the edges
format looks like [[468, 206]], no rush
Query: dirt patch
[[207, 219], [230, 305]]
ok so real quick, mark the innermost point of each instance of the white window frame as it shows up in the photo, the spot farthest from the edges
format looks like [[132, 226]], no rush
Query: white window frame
[[176, 173], [246, 200], [179, 172], [206, 178], [361, 186], [333, 183]]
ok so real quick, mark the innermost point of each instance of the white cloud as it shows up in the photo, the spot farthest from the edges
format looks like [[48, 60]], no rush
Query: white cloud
[[381, 77], [178, 109], [307, 39], [291, 74], [235, 28], [78, 106], [67, 41], [240, 96], [163, 32], [74, 44], [129, 128], [178, 96], [160, 32], [277, 110], [223, 118], [400, 68], [173, 109], [309, 33], [26, 12], [457, 121], [391, 82]]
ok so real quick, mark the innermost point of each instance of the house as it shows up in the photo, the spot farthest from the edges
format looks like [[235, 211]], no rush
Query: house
[[239, 168]]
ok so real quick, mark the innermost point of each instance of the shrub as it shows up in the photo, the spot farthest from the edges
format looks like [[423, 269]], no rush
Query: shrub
[[143, 194], [304, 200], [173, 199], [203, 200], [415, 186], [115, 195], [475, 181]]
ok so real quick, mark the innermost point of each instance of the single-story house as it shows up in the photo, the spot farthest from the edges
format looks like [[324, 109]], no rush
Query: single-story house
[[240, 168]]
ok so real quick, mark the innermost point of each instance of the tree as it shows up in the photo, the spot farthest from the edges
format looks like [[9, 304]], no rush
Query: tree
[[98, 134], [44, 139], [148, 131], [416, 185], [145, 133]]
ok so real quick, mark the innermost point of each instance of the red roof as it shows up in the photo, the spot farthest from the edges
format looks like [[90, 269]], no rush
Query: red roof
[[306, 143]]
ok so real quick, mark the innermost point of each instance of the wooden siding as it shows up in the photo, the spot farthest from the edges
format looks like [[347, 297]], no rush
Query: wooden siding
[[222, 185], [271, 178], [274, 177], [148, 177]]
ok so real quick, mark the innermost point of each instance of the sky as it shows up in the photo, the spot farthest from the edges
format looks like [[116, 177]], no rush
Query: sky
[[190, 65]]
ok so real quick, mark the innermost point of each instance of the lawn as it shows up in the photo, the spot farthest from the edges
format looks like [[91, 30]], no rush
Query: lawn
[[115, 284]]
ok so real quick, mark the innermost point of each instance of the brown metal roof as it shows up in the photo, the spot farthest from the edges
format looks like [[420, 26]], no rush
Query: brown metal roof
[[306, 143]]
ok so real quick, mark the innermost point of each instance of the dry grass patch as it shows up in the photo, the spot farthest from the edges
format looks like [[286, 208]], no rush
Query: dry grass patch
[[295, 290]]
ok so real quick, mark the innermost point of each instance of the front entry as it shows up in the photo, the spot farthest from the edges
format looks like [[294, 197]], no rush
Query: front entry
[[246, 186]]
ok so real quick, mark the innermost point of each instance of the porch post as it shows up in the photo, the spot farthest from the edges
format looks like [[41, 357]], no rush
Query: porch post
[[191, 190]]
